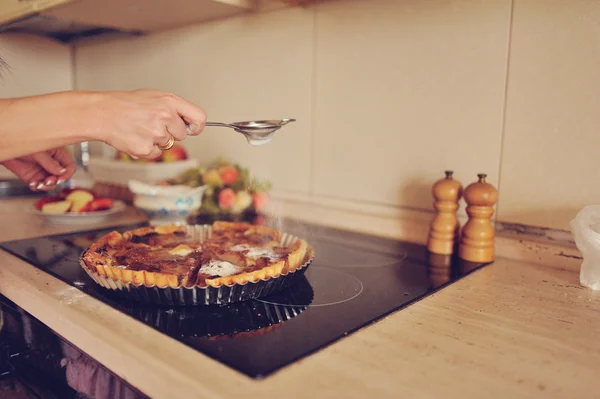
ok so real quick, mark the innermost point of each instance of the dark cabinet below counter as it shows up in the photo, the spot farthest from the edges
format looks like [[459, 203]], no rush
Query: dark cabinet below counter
[[35, 363]]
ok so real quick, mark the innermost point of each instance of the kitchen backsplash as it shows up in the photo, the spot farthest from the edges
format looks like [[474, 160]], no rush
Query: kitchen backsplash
[[387, 93], [35, 65]]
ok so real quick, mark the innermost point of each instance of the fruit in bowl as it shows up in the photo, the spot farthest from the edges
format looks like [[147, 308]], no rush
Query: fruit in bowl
[[73, 200], [174, 154], [229, 188]]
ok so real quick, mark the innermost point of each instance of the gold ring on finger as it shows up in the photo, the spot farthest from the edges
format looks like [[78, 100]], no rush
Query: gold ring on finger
[[169, 144]]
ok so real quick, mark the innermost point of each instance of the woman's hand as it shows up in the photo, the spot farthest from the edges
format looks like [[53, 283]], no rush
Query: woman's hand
[[138, 122], [43, 170], [135, 122]]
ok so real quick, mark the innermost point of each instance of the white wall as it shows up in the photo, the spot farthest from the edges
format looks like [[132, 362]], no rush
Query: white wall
[[383, 107], [388, 94], [36, 65]]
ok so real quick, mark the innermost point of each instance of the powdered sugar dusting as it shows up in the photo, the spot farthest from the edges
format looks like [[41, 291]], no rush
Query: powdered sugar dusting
[[181, 250], [255, 252], [220, 268]]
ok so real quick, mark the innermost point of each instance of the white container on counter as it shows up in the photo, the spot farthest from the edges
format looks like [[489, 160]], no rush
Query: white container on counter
[[120, 172], [586, 231], [166, 204]]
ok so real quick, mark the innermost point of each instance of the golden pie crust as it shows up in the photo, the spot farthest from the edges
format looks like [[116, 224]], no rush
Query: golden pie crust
[[169, 256]]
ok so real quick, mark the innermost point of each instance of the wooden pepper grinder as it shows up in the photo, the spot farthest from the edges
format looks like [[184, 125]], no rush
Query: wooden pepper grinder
[[477, 238], [443, 233]]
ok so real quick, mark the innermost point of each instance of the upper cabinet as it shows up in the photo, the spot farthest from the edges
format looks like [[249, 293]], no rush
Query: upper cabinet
[[11, 10], [69, 19]]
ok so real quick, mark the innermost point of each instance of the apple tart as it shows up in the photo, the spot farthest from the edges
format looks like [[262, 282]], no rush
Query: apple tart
[[221, 263]]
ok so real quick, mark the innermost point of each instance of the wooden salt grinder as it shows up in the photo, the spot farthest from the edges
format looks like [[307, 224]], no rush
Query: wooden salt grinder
[[443, 233], [477, 238]]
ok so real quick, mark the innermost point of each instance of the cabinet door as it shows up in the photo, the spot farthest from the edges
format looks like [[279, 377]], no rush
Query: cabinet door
[[12, 10]]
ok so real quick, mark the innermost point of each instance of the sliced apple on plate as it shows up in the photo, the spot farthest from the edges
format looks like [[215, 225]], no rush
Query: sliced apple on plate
[[101, 204], [43, 201], [81, 200], [57, 207], [74, 200]]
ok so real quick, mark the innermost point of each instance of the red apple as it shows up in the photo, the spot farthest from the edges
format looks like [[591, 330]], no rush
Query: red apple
[[176, 153], [57, 207], [229, 175], [101, 204], [226, 198], [46, 200], [81, 200], [259, 200], [87, 207]]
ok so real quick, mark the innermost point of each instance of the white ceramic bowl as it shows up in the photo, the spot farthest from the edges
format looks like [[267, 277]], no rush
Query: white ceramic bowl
[[166, 204]]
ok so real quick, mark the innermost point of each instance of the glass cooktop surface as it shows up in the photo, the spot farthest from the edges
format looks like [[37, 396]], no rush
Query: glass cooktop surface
[[353, 281]]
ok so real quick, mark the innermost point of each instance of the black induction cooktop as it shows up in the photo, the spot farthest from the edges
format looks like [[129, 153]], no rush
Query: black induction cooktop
[[353, 281]]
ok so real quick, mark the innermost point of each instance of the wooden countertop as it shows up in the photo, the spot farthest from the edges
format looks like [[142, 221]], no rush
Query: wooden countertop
[[510, 330]]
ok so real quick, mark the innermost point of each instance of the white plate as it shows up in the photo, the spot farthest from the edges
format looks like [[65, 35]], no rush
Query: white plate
[[80, 218]]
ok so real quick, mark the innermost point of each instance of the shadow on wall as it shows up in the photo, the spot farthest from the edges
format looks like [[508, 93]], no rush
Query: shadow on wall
[[417, 190]]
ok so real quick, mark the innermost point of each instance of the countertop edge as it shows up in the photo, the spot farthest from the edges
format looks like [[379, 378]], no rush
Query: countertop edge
[[99, 330]]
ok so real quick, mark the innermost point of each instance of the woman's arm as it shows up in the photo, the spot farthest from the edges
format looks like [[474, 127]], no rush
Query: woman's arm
[[38, 123], [134, 122]]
